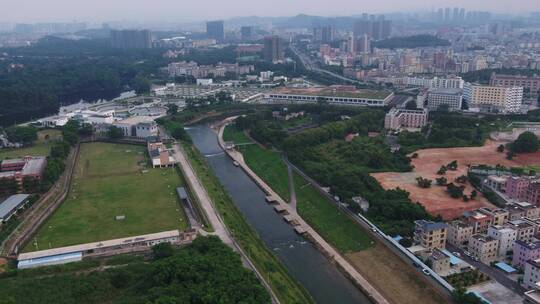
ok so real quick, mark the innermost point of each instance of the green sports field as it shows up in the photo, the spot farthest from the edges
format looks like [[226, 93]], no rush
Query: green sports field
[[111, 180]]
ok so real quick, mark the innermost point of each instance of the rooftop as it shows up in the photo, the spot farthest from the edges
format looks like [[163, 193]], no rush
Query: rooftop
[[334, 92], [483, 238], [102, 244], [429, 225], [445, 91], [34, 166], [12, 202], [528, 245]]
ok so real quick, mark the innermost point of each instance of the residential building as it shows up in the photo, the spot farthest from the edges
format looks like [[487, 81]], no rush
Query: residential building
[[506, 237], [525, 229], [451, 98], [459, 233], [325, 34], [440, 262], [247, 32], [10, 206], [398, 118], [516, 187], [518, 210], [215, 30], [430, 234], [339, 95], [131, 39], [494, 99], [496, 182], [273, 49], [531, 274], [533, 192], [160, 156], [527, 82], [525, 251], [499, 216], [480, 221], [483, 247]]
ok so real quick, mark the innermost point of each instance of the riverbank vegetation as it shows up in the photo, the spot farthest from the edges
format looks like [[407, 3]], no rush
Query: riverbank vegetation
[[286, 288], [192, 274]]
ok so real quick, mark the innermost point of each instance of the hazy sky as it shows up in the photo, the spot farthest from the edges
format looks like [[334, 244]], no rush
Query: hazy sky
[[192, 10]]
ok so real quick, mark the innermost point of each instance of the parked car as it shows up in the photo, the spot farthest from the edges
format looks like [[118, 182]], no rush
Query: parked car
[[416, 264], [426, 271], [456, 254]]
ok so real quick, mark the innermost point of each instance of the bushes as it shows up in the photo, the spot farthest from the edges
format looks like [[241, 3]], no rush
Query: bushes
[[527, 142]]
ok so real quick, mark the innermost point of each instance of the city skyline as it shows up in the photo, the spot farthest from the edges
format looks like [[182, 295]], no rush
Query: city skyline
[[174, 11]]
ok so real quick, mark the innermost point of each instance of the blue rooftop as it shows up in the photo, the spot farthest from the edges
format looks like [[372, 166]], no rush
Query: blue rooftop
[[505, 267]]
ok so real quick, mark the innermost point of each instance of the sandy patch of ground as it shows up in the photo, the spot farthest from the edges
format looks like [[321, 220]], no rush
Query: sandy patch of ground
[[3, 265], [435, 199], [395, 279]]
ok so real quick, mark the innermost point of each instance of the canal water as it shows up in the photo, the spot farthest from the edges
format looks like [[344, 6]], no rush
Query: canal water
[[323, 280]]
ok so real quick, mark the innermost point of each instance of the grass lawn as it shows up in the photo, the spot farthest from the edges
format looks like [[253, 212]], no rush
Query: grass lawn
[[108, 181], [232, 134], [334, 226], [41, 146], [287, 289], [267, 164]]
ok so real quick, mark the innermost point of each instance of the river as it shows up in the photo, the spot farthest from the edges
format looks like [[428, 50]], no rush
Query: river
[[324, 281]]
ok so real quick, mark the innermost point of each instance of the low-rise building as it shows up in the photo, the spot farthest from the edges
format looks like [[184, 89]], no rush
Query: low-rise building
[[480, 221], [138, 126], [506, 237], [483, 247], [499, 216], [520, 210], [398, 118], [525, 229], [339, 95], [440, 262], [531, 274], [160, 156], [459, 233], [21, 173], [496, 182], [525, 251], [10, 206], [430, 234]]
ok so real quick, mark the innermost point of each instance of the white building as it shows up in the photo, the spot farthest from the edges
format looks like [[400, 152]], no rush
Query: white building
[[506, 237], [402, 118], [453, 98], [494, 99]]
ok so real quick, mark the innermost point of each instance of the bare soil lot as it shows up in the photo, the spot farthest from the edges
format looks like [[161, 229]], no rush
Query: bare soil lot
[[435, 199], [395, 279]]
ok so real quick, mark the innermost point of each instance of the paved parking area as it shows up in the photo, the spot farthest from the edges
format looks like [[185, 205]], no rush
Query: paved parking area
[[496, 293]]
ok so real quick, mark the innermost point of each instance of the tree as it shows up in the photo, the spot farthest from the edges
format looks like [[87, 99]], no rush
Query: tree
[[411, 105], [406, 242], [452, 165], [462, 179], [526, 142], [500, 148], [442, 170], [115, 132], [423, 182], [441, 181], [455, 191], [162, 250], [25, 135], [141, 85], [474, 194], [172, 109], [510, 155]]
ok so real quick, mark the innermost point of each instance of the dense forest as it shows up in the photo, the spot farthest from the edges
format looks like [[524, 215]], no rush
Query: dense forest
[[57, 71], [410, 42], [206, 271]]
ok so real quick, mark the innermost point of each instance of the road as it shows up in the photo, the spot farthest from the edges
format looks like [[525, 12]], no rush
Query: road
[[374, 234], [311, 66], [493, 273]]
